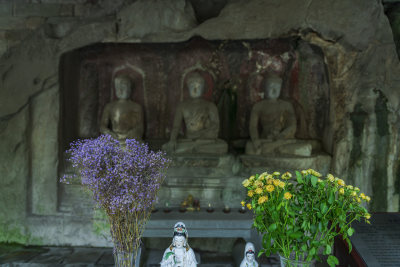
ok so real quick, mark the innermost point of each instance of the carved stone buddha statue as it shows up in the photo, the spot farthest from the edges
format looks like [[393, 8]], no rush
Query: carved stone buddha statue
[[201, 121], [278, 124], [122, 118]]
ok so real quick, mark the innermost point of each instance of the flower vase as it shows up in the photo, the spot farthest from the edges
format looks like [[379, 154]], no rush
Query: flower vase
[[125, 258], [290, 262]]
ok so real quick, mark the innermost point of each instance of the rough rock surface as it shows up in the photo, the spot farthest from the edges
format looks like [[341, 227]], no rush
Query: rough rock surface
[[152, 17], [359, 53]]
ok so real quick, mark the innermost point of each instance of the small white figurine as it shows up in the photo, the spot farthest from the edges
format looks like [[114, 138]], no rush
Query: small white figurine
[[179, 254], [249, 256]]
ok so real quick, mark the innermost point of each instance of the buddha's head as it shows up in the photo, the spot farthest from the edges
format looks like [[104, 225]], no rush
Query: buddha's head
[[122, 86], [195, 83], [249, 252], [272, 86]]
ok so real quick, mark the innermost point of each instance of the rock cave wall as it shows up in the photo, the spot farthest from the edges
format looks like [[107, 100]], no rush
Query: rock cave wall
[[357, 47]]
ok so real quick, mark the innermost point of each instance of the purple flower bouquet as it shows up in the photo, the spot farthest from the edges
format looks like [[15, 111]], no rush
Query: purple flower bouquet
[[124, 180]]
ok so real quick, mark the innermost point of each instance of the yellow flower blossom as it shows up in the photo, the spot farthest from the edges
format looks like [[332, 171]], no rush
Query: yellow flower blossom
[[287, 195], [246, 183], [315, 173], [362, 195], [341, 191], [276, 182], [367, 216], [243, 203], [269, 181], [248, 206], [357, 189], [319, 180], [250, 193], [286, 175], [270, 188], [269, 176], [367, 198], [262, 176], [353, 193], [258, 183], [276, 173], [358, 199], [341, 182], [281, 184], [304, 172], [330, 177], [350, 187], [252, 178], [262, 199], [259, 190]]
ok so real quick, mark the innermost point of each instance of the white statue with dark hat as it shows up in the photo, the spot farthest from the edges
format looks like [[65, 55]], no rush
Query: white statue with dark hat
[[249, 256], [179, 254]]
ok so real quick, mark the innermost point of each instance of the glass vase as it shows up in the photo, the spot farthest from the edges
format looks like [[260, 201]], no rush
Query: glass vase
[[291, 262], [126, 258]]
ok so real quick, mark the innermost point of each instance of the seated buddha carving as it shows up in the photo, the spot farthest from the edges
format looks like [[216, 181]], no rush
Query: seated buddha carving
[[201, 121], [278, 124], [122, 118]]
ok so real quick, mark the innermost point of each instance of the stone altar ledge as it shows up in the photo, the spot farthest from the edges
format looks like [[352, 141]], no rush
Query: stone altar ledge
[[258, 164]]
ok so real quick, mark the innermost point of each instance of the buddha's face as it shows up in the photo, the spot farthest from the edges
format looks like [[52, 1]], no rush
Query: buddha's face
[[250, 257], [122, 88], [179, 241], [195, 86], [273, 89]]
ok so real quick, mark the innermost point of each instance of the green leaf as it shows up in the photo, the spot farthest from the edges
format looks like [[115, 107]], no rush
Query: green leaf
[[299, 177], [350, 245], [312, 251], [328, 250], [266, 241], [313, 228], [296, 235], [332, 261], [324, 208], [314, 180], [331, 197], [304, 247], [272, 227], [350, 231]]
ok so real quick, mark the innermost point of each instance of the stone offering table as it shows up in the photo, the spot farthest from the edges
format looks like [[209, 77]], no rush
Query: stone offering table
[[205, 224], [212, 179]]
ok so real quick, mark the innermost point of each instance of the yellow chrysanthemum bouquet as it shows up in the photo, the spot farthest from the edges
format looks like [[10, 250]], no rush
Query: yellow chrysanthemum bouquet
[[300, 216]]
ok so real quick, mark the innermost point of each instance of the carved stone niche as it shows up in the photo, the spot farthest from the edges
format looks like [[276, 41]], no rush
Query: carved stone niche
[[288, 114], [233, 74]]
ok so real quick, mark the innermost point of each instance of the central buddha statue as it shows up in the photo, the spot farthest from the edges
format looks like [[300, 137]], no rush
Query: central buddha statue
[[278, 124], [201, 123], [122, 118]]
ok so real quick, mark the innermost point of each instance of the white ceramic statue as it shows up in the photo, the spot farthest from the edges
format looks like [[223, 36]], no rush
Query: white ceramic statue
[[179, 254], [249, 256]]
